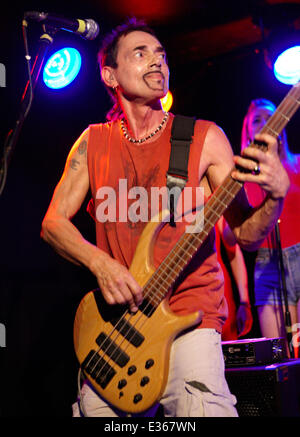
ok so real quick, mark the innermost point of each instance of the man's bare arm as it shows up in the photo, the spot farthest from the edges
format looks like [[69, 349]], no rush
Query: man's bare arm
[[115, 281], [57, 228]]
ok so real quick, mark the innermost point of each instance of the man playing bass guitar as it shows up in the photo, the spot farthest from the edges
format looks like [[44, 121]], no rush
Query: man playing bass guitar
[[126, 159]]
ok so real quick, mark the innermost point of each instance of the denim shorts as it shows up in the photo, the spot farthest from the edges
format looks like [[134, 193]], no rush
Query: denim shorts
[[267, 279]]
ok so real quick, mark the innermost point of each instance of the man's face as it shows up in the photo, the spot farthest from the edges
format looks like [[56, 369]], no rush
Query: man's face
[[142, 73]]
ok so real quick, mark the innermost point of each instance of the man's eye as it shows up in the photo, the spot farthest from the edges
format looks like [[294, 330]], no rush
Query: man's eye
[[139, 54]]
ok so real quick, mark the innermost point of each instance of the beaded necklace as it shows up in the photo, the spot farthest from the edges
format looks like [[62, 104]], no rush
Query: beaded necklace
[[142, 140]]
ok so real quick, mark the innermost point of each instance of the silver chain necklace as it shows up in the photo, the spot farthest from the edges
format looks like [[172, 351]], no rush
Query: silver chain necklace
[[142, 140]]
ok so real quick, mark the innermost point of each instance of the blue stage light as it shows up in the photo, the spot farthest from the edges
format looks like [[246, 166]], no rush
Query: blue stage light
[[287, 66], [62, 68]]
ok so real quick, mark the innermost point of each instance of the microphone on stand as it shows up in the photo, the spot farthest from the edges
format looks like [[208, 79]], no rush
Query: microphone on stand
[[86, 28]]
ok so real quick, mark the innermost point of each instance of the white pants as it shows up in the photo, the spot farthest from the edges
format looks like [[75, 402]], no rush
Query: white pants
[[196, 385]]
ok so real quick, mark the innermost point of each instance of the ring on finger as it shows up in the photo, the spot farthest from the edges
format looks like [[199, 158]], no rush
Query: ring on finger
[[256, 170]]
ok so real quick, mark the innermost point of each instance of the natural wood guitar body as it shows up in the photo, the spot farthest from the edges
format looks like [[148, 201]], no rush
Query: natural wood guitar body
[[136, 364]]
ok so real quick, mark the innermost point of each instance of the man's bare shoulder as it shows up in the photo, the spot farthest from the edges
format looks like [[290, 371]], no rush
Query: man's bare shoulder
[[217, 156]]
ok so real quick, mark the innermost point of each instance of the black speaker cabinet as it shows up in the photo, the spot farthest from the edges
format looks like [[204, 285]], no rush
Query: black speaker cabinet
[[272, 390]]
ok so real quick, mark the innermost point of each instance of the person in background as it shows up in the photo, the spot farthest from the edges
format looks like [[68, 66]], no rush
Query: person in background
[[239, 321], [268, 296]]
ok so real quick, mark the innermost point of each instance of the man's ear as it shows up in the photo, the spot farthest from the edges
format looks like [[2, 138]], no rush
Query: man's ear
[[108, 77]]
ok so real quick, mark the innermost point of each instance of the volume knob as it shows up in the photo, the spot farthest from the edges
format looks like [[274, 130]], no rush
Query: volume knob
[[137, 398], [149, 363], [131, 370], [144, 380], [122, 383]]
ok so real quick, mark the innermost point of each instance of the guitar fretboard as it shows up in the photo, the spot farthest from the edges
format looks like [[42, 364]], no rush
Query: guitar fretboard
[[173, 265]]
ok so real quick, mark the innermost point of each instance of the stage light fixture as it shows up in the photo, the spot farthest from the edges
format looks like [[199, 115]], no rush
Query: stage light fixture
[[280, 27], [62, 68], [283, 55], [287, 66]]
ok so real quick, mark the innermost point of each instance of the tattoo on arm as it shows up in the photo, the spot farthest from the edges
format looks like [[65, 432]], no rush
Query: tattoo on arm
[[74, 164], [82, 151], [82, 148]]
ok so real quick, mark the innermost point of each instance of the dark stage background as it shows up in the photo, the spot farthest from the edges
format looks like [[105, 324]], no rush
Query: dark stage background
[[39, 290]]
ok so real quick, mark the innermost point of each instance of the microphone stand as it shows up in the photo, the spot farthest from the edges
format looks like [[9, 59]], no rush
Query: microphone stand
[[12, 137], [288, 323]]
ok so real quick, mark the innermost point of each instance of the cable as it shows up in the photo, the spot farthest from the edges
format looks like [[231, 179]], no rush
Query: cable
[[28, 58], [7, 149], [80, 400]]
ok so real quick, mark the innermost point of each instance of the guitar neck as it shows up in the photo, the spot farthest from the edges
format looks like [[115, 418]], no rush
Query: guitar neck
[[180, 256], [283, 113]]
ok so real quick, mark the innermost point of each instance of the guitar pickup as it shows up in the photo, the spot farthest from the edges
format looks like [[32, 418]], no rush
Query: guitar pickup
[[147, 308], [112, 350], [98, 369], [128, 331]]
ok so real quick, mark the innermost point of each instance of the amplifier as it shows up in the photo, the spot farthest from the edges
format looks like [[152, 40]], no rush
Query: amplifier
[[266, 391], [253, 351]]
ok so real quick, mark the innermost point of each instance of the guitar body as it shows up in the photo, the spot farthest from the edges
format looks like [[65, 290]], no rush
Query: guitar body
[[126, 356]]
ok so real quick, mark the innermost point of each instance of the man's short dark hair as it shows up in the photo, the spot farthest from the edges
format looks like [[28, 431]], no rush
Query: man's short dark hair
[[107, 55]]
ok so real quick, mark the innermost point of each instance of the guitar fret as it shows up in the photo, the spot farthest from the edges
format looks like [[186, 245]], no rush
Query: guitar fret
[[154, 299], [283, 115], [173, 270], [164, 280], [223, 203], [272, 130], [193, 247], [226, 190], [155, 293], [296, 100], [210, 223]]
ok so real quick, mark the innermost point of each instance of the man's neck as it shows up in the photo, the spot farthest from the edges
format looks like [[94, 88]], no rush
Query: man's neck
[[142, 119]]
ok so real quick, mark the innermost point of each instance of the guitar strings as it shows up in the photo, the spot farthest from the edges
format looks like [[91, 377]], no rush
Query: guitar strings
[[275, 131]]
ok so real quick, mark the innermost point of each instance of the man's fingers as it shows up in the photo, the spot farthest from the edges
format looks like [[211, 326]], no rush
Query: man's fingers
[[269, 140], [123, 291], [136, 290]]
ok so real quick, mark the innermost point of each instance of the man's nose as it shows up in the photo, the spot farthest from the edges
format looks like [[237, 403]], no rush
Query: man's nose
[[155, 60]]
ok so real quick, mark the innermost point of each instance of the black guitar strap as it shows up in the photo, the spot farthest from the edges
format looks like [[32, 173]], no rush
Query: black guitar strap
[[177, 174]]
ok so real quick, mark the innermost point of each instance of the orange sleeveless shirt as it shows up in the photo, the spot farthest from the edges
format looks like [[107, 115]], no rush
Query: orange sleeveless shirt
[[121, 172]]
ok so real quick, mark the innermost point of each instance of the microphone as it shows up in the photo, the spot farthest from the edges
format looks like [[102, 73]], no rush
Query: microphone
[[87, 28]]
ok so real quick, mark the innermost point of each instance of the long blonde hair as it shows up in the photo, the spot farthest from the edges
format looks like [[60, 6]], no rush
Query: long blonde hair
[[285, 154]]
